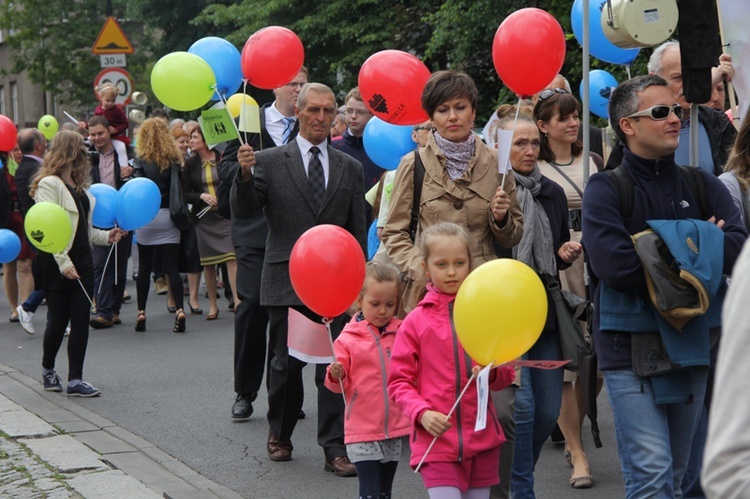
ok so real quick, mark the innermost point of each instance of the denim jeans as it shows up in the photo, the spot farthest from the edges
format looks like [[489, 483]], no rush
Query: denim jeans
[[653, 441], [33, 301], [537, 409]]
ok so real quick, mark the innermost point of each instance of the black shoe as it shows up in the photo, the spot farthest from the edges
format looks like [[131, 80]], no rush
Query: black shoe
[[243, 406], [557, 437], [301, 414]]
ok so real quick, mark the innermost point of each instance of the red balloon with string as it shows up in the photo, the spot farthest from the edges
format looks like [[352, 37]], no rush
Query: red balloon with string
[[272, 57], [528, 50], [391, 84], [8, 134], [327, 269]]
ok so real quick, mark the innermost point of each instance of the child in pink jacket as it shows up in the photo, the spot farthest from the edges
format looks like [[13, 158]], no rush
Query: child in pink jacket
[[373, 425], [429, 368]]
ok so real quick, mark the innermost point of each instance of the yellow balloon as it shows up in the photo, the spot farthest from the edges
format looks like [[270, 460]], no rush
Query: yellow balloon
[[500, 311], [234, 103]]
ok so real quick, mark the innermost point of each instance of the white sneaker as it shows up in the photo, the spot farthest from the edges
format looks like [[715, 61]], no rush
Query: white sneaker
[[26, 319]]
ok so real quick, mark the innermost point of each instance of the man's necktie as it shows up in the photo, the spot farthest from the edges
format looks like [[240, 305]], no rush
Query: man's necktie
[[288, 126], [316, 178]]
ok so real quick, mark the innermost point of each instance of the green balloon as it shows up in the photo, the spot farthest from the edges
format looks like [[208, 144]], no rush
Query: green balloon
[[48, 125], [48, 227], [182, 81]]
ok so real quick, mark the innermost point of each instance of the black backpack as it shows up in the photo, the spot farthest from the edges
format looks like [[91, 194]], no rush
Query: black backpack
[[624, 187]]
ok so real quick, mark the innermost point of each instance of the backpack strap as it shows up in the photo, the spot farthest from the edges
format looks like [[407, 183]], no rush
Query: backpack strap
[[417, 199], [692, 176], [624, 188]]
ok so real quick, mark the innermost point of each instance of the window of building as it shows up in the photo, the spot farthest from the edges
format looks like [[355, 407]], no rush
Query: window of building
[[14, 102], [2, 100]]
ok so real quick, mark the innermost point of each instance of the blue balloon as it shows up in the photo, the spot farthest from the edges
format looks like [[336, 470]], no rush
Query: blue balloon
[[386, 144], [104, 215], [601, 84], [10, 246], [599, 45], [224, 59], [138, 202]]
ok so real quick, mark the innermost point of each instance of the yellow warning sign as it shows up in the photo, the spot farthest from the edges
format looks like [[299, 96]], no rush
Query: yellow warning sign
[[111, 40]]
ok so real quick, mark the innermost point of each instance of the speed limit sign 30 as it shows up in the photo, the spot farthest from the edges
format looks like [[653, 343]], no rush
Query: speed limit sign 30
[[121, 80]]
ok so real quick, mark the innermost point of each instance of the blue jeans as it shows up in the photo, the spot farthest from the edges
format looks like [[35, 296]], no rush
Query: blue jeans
[[33, 301], [653, 441], [537, 408]]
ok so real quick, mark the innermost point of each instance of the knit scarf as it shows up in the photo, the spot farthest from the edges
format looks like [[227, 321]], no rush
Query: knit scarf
[[535, 248], [457, 154]]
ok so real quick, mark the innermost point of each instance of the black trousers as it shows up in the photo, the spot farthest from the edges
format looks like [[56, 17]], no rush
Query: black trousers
[[170, 255], [109, 300], [65, 306], [250, 322], [286, 391]]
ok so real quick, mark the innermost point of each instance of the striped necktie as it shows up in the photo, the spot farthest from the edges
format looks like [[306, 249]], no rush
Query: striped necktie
[[288, 126]]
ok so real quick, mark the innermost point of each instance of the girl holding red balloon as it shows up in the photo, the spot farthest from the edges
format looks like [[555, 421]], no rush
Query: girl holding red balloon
[[374, 426], [429, 368]]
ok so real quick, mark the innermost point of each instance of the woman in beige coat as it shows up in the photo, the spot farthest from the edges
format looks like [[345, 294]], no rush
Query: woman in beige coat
[[461, 183]]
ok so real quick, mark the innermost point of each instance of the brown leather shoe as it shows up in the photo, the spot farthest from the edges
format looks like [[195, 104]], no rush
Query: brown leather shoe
[[341, 466], [278, 450]]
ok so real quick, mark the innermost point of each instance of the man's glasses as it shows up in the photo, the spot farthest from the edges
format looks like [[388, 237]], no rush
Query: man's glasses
[[546, 94], [659, 113], [357, 112]]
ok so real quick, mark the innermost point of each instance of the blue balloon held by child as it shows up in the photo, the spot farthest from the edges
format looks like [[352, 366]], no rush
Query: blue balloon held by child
[[104, 216], [386, 144], [600, 46], [138, 202], [601, 84]]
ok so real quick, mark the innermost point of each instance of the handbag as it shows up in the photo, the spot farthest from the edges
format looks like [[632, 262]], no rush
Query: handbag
[[178, 210], [572, 340]]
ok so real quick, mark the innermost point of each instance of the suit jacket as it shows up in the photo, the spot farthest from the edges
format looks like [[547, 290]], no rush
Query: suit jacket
[[95, 178], [26, 171], [253, 231], [279, 187]]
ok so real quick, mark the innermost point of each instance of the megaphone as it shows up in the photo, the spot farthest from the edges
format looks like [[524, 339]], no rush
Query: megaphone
[[646, 23], [137, 115], [139, 98]]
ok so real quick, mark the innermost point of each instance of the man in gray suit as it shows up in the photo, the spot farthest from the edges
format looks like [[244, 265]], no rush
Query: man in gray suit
[[298, 186]]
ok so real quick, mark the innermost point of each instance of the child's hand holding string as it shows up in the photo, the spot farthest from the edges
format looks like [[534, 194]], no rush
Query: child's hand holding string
[[336, 370], [435, 423]]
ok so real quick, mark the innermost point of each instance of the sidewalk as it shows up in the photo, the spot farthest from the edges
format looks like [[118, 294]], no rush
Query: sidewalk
[[52, 447]]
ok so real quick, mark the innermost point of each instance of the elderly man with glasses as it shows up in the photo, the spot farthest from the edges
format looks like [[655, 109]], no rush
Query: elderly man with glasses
[[655, 413]]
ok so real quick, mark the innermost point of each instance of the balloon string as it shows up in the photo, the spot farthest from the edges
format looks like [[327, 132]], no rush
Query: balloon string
[[104, 270], [86, 293], [507, 156], [468, 383], [627, 69], [327, 322], [244, 93], [234, 123]]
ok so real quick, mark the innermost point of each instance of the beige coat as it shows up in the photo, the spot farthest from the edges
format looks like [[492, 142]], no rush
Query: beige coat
[[53, 190], [465, 201]]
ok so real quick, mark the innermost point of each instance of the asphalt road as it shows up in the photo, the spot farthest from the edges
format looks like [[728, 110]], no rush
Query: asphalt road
[[176, 391]]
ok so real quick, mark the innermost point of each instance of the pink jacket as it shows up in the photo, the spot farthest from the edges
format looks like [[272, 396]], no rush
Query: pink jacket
[[429, 368], [365, 355]]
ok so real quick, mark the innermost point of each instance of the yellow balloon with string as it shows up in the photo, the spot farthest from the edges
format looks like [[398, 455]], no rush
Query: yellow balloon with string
[[235, 102]]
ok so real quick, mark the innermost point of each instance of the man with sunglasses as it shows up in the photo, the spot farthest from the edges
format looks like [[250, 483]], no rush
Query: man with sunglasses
[[655, 417], [716, 134]]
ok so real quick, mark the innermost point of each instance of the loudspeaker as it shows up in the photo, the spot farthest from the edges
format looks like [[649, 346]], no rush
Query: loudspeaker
[[139, 98], [136, 115]]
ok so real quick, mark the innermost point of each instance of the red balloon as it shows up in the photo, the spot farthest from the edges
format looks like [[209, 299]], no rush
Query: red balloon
[[272, 57], [528, 50], [391, 84], [327, 268], [8, 134]]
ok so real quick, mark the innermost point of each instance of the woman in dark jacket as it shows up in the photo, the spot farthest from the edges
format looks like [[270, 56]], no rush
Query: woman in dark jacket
[[157, 154], [546, 247]]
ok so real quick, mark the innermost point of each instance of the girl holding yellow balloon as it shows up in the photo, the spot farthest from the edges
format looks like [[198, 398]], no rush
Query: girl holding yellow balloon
[[429, 368], [546, 248]]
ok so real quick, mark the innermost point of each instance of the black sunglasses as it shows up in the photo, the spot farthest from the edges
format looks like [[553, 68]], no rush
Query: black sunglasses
[[659, 113], [546, 94]]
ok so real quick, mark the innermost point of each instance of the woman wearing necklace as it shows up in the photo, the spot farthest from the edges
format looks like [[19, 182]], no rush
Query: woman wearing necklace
[[214, 231], [560, 159], [63, 179]]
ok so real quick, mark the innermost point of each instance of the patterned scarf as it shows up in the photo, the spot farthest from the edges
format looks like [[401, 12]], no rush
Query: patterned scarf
[[535, 248], [457, 154]]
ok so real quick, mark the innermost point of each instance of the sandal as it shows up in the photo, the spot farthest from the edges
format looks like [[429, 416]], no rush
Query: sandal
[[179, 322], [140, 321], [213, 316]]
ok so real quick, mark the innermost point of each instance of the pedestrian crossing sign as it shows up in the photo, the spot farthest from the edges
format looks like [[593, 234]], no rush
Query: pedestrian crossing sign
[[111, 40]]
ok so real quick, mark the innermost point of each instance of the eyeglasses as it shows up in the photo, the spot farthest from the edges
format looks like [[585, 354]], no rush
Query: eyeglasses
[[546, 94], [425, 127], [357, 112], [659, 113]]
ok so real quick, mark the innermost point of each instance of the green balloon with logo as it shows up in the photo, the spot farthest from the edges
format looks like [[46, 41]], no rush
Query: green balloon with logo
[[48, 227], [48, 125]]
